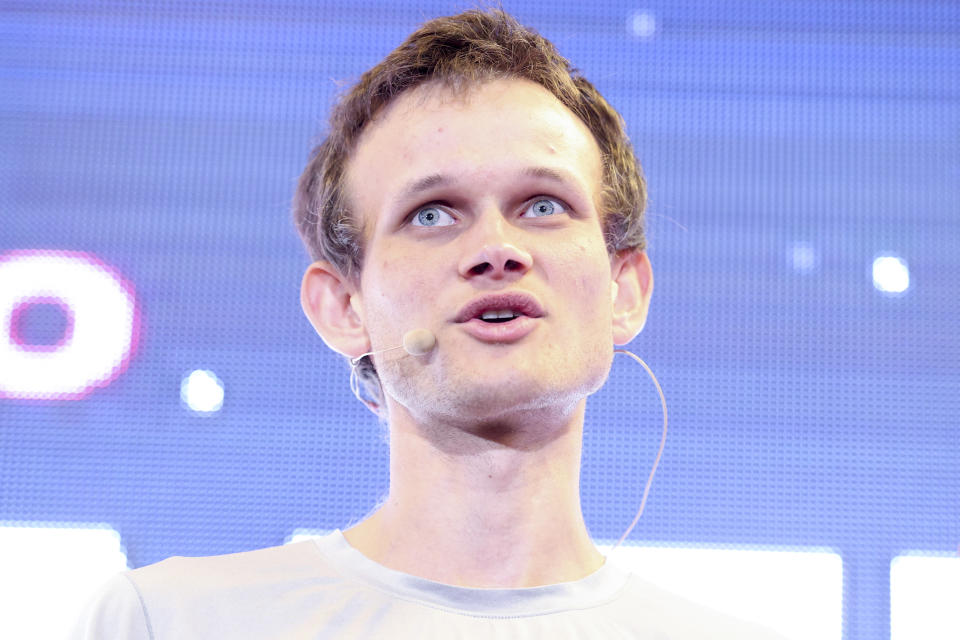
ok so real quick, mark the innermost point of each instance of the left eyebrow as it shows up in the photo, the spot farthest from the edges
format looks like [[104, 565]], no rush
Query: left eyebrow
[[548, 173], [415, 187], [543, 172], [570, 182]]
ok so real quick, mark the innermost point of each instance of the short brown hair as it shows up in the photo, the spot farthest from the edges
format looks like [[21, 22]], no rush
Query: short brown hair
[[460, 50]]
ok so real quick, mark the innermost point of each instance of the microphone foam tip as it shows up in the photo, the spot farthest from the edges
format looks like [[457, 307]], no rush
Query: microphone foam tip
[[419, 342]]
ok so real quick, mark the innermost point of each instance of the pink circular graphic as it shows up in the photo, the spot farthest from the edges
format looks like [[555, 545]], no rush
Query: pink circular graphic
[[17, 320], [102, 328]]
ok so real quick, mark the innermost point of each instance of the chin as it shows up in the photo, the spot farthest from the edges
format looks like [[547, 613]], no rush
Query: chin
[[466, 402], [458, 390]]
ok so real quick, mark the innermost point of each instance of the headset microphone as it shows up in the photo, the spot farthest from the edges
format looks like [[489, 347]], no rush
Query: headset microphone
[[416, 342], [663, 441], [420, 342]]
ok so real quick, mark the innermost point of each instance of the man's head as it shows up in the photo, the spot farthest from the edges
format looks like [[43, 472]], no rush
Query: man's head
[[456, 55]]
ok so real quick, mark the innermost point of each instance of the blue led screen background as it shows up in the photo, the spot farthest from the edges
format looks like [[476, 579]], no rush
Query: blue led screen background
[[786, 145]]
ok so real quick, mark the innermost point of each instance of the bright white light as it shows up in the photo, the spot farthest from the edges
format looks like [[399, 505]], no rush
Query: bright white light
[[50, 573], [759, 586], [642, 24], [890, 274], [299, 535], [103, 310], [202, 391], [803, 257], [924, 593]]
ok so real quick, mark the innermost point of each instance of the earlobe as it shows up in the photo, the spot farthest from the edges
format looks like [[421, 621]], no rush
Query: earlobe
[[332, 304], [631, 290]]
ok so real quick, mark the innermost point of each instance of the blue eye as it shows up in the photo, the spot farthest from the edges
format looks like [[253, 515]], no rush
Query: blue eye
[[432, 217], [543, 207]]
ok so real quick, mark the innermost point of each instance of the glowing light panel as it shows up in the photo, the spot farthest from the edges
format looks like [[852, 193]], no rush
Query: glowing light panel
[[924, 597], [50, 573], [299, 535]]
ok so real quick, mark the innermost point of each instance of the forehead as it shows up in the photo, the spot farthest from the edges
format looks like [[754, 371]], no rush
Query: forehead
[[482, 135]]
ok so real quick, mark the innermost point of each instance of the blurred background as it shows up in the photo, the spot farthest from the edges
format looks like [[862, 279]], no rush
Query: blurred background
[[162, 394]]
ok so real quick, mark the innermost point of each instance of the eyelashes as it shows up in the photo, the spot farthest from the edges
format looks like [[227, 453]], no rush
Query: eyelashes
[[432, 216], [436, 215], [543, 207]]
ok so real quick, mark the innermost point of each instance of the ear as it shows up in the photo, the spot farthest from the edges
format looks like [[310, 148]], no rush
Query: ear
[[630, 292], [333, 306]]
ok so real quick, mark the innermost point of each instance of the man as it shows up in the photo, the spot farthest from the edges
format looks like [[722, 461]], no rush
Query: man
[[473, 186]]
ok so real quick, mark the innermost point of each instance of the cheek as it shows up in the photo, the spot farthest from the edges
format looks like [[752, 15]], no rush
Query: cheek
[[590, 273], [401, 288], [594, 295]]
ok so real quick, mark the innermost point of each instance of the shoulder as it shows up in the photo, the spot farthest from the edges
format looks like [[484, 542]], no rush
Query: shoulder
[[178, 583], [260, 565], [116, 611], [668, 615], [236, 595]]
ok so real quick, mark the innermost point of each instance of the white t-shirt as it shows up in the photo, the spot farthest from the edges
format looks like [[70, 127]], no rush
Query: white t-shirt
[[324, 588]]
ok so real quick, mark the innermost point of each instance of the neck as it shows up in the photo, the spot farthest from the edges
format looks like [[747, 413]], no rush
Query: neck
[[492, 506]]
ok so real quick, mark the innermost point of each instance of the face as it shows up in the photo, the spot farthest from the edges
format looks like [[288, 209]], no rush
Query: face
[[481, 225]]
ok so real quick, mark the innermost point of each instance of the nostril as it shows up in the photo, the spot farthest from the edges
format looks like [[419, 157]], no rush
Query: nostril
[[513, 265], [480, 269]]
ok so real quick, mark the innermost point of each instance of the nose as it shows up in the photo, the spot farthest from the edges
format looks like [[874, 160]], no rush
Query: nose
[[496, 258]]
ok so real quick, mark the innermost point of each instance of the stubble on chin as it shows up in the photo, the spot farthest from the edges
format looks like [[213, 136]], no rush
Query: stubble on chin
[[460, 409]]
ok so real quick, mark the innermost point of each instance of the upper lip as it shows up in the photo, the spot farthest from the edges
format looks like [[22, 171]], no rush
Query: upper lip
[[522, 303]]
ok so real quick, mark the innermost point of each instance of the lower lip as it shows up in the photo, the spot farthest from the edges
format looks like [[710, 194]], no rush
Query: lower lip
[[500, 331]]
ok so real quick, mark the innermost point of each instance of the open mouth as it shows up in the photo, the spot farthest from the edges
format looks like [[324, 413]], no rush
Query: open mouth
[[499, 317], [500, 308]]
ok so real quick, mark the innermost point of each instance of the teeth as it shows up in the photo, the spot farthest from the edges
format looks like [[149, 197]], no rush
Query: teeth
[[496, 315]]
